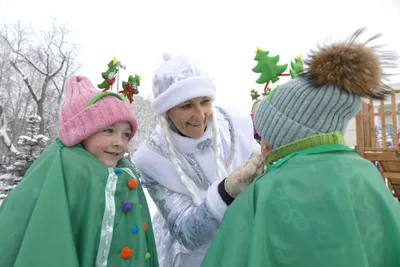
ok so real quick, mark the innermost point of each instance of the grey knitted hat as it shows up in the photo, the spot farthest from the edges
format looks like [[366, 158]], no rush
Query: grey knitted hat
[[327, 95]]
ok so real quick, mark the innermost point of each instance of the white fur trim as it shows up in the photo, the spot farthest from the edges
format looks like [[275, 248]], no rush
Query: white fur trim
[[214, 201], [158, 167], [167, 56], [179, 92]]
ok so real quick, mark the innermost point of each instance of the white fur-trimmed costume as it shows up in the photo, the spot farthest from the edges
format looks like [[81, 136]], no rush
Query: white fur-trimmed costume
[[182, 229], [182, 174]]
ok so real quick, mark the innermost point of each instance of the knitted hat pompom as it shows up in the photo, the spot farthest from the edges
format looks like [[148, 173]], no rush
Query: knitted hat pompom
[[328, 94], [352, 66], [167, 56]]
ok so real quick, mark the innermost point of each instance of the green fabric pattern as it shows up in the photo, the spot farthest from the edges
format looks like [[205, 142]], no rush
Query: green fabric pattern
[[54, 216], [317, 208]]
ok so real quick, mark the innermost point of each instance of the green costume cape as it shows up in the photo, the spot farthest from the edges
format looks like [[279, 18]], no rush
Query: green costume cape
[[67, 212], [321, 206]]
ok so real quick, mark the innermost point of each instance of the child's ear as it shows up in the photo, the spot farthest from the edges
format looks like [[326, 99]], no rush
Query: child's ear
[[264, 148]]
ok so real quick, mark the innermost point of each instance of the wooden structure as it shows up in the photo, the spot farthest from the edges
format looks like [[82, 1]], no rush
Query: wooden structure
[[378, 115]]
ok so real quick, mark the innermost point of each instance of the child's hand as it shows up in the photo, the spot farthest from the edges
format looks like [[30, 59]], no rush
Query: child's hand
[[244, 175]]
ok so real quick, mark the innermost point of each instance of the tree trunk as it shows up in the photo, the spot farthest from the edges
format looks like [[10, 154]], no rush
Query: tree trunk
[[4, 135], [40, 114]]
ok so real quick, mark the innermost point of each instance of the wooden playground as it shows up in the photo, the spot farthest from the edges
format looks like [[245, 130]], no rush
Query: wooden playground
[[378, 132]]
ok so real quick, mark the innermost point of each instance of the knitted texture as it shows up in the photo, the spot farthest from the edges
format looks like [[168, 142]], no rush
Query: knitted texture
[[244, 175], [77, 121], [300, 109], [328, 94]]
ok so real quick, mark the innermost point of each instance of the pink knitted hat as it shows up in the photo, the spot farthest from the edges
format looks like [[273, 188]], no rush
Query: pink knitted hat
[[78, 119]]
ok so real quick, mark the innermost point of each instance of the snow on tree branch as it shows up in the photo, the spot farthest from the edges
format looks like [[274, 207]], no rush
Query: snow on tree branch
[[32, 145], [4, 135], [44, 61], [147, 122], [21, 54], [26, 80]]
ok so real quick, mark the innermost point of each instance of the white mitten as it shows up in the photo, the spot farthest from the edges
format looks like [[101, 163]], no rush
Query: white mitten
[[244, 175]]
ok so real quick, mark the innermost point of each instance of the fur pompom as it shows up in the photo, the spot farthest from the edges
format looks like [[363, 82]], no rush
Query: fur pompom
[[167, 56], [353, 66]]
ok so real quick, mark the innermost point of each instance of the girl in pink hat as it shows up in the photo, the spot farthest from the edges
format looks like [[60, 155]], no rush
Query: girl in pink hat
[[81, 202]]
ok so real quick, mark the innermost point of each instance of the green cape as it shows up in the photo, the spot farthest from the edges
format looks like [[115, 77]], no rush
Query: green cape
[[57, 217], [327, 208]]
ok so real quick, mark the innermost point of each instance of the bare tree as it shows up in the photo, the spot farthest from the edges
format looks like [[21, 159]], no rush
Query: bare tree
[[71, 67], [4, 134], [146, 119], [55, 96], [44, 56]]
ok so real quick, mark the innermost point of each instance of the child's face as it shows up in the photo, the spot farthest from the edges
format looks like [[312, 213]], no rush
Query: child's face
[[109, 145]]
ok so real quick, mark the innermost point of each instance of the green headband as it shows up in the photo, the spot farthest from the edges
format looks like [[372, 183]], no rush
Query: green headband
[[100, 96], [270, 72]]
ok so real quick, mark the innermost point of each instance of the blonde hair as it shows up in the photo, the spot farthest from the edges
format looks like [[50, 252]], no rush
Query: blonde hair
[[190, 185], [255, 105]]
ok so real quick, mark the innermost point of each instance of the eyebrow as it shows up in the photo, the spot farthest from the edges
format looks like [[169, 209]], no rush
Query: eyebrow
[[190, 102], [127, 129], [185, 103]]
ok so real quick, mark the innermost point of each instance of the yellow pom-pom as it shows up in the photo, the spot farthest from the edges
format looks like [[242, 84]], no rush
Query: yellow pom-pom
[[258, 49]]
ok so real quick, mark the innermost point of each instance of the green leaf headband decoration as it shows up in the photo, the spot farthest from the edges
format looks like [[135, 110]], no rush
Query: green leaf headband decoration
[[270, 71], [109, 75], [130, 87], [254, 94]]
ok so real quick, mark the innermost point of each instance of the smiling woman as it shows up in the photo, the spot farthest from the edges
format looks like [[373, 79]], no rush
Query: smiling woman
[[191, 117], [193, 162]]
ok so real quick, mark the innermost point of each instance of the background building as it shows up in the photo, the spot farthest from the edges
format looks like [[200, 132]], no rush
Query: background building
[[350, 134]]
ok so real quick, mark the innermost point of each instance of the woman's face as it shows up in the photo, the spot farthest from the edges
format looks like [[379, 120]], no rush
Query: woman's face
[[191, 117]]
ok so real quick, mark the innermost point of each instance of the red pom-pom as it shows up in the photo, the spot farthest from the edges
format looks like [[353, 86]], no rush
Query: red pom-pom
[[126, 253], [132, 184]]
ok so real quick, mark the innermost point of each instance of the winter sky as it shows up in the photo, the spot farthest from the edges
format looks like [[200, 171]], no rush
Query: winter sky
[[222, 34]]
